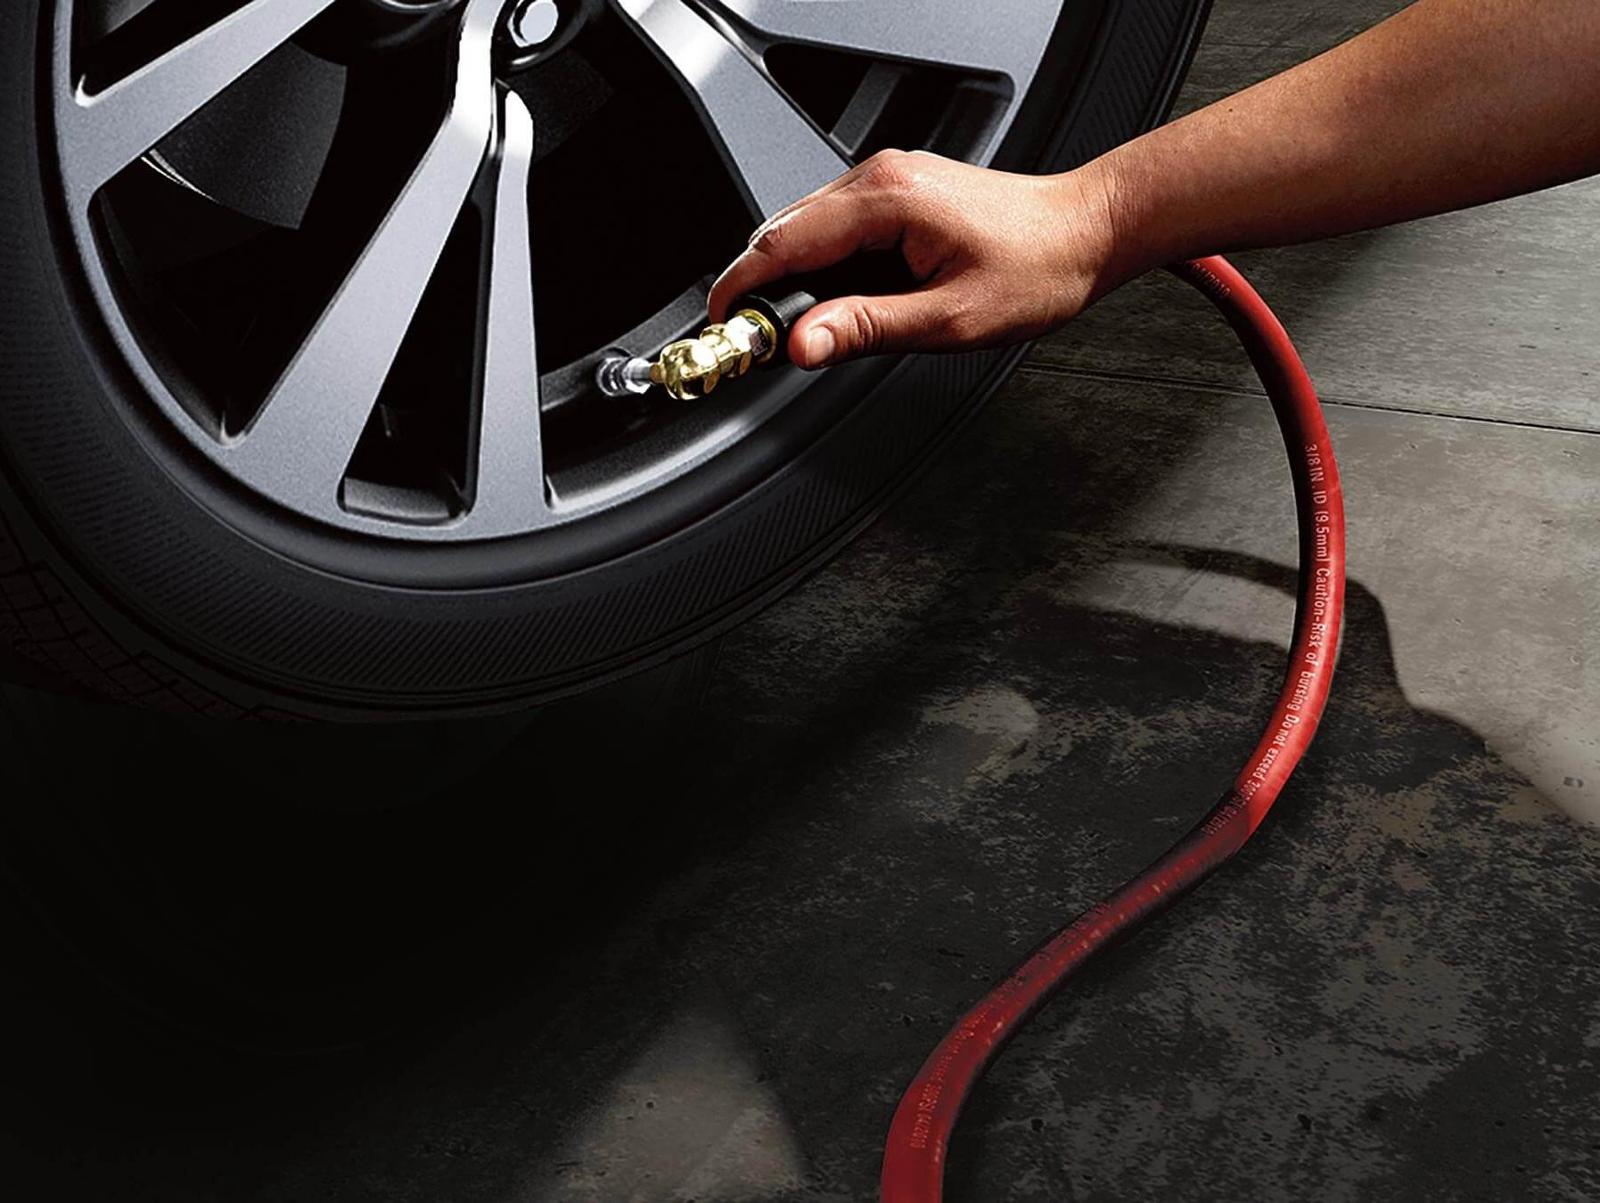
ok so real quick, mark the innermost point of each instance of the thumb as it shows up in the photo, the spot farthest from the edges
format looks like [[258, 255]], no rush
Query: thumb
[[850, 327]]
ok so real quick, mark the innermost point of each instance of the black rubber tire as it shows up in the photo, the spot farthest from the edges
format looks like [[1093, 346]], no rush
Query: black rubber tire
[[122, 581]]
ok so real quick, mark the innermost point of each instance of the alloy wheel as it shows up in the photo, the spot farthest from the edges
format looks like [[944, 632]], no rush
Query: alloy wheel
[[363, 255]]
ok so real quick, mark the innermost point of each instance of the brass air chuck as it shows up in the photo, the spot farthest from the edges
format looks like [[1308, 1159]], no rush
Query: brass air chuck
[[692, 367]]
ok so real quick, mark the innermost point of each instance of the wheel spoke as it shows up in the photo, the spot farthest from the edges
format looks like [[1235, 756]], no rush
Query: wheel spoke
[[1003, 37], [776, 152], [509, 492], [111, 127], [306, 431]]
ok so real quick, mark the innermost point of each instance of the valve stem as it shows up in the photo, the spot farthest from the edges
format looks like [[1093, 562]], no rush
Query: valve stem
[[623, 375], [692, 367]]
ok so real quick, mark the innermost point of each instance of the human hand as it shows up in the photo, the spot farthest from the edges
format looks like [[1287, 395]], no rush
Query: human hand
[[1002, 257]]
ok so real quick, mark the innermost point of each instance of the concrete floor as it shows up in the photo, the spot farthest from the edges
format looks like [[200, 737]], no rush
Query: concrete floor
[[1016, 689]]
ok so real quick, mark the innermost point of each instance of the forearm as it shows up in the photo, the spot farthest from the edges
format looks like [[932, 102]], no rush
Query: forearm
[[1448, 104]]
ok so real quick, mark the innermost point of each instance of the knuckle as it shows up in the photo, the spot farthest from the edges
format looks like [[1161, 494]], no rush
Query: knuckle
[[868, 329], [772, 239], [961, 323], [888, 169]]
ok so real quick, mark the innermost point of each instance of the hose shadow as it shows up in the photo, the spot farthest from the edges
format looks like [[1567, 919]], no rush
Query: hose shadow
[[659, 940]]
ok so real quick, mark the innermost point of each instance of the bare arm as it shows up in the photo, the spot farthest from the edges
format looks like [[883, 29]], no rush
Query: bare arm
[[1450, 103]]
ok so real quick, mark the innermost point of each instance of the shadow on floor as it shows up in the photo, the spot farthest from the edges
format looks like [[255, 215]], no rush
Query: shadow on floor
[[694, 952]]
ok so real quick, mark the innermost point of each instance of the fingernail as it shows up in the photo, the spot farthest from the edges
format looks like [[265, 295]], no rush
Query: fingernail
[[819, 346]]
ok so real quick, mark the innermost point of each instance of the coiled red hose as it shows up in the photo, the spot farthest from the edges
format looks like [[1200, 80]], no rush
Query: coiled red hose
[[919, 1137]]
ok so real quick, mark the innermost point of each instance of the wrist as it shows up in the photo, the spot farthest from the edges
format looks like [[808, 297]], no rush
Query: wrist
[[1100, 240], [1129, 246]]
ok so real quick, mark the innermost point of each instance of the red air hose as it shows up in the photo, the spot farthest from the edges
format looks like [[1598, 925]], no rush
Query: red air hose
[[913, 1159]]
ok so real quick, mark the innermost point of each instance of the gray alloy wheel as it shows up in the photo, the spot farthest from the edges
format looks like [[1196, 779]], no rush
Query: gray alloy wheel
[[311, 428]]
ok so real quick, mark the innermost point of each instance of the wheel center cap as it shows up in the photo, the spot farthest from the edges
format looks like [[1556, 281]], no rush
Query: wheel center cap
[[533, 23]]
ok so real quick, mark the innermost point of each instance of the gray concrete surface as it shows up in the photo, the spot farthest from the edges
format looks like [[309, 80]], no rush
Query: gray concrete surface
[[1012, 692]]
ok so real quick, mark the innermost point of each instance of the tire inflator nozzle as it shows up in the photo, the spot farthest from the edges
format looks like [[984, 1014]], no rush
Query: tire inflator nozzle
[[691, 367], [755, 335]]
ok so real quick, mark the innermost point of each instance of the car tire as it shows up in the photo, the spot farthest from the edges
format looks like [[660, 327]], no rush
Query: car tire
[[133, 569]]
